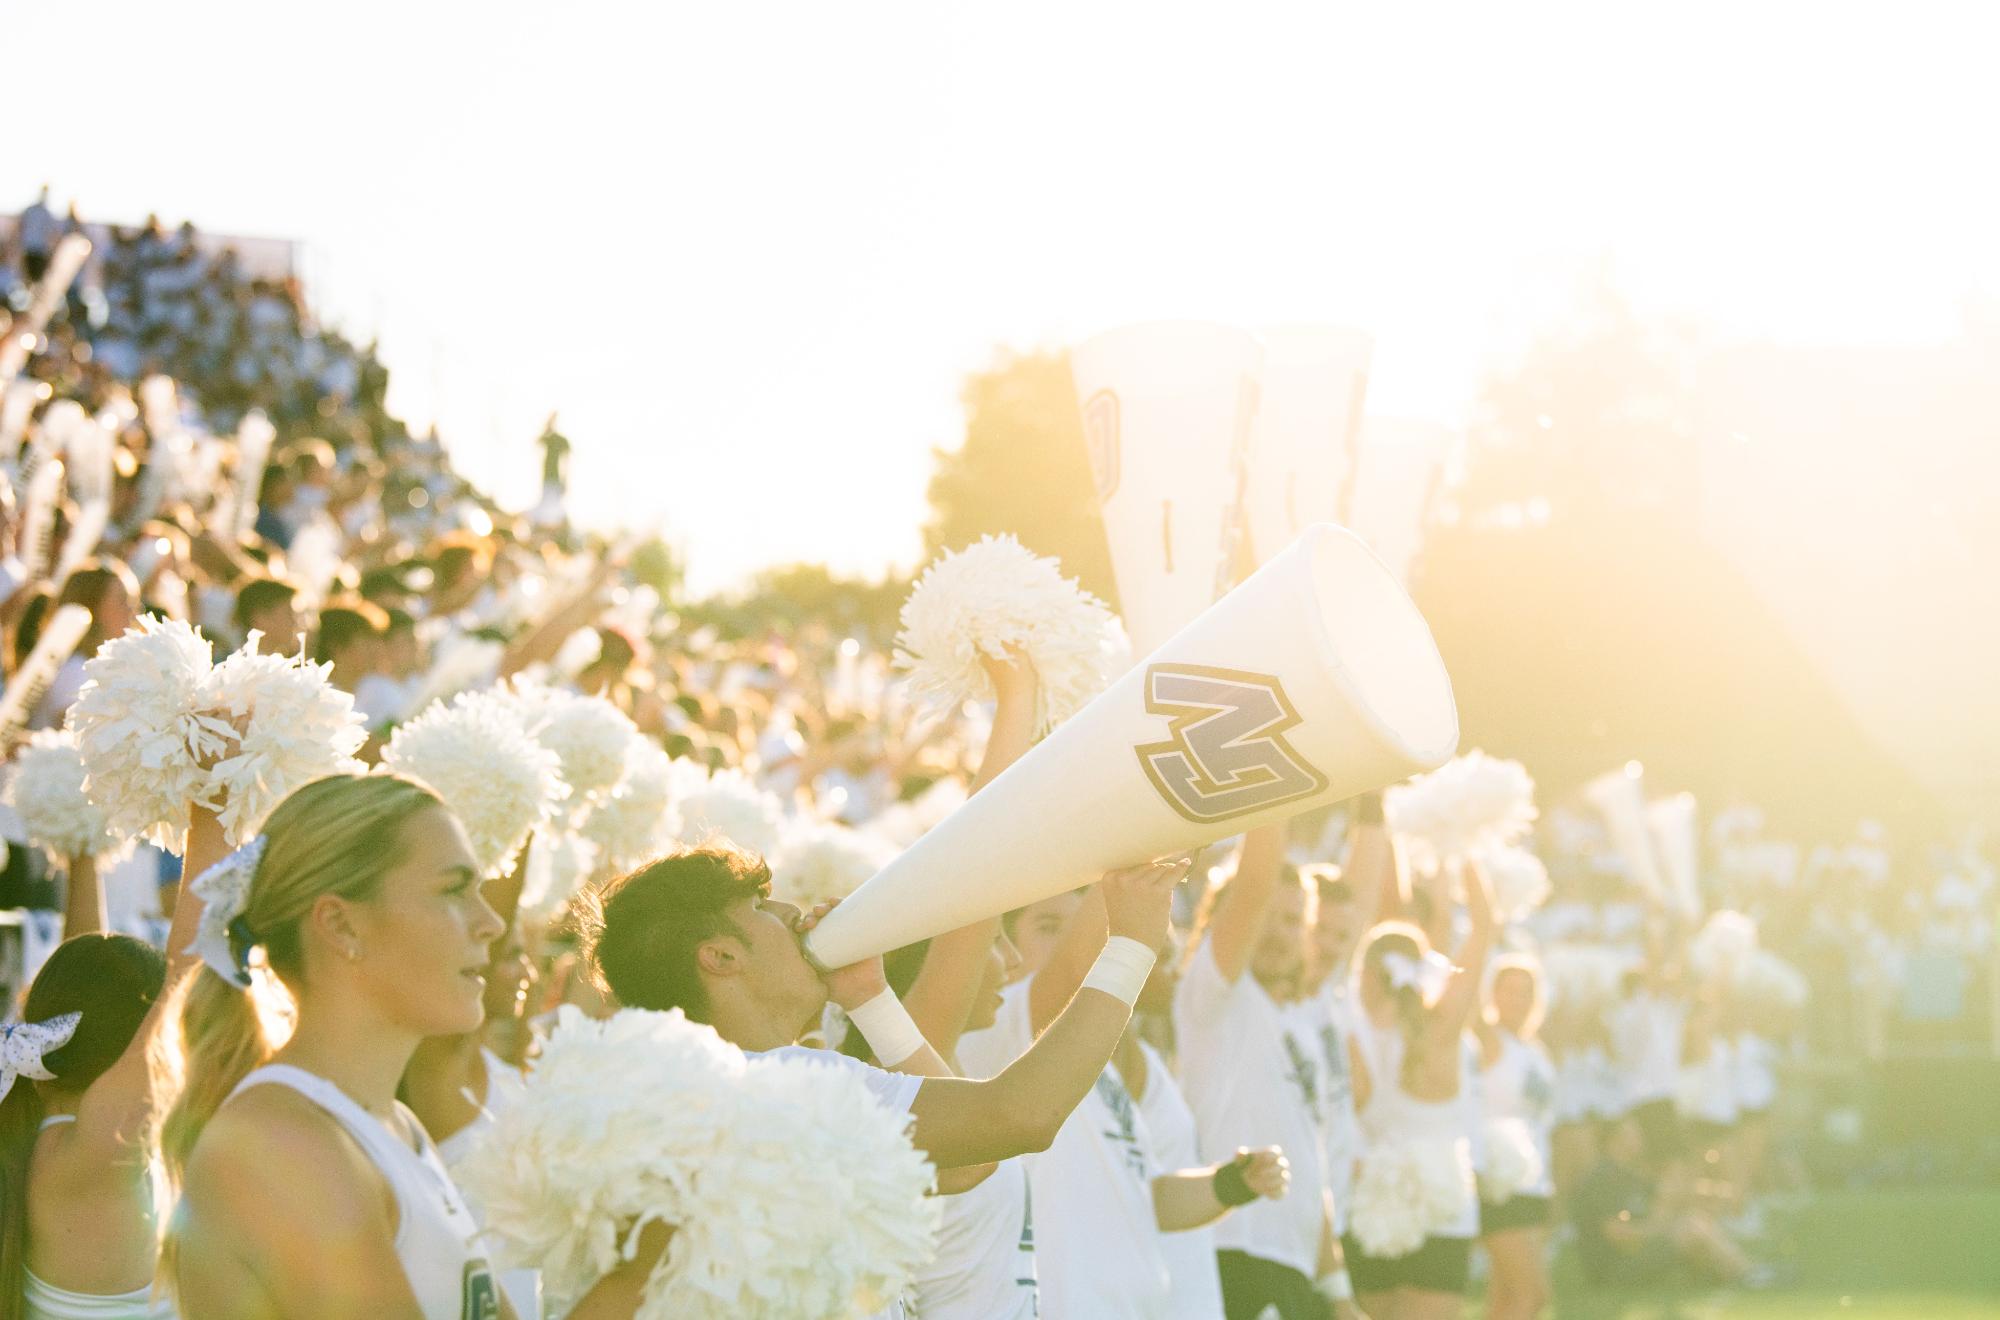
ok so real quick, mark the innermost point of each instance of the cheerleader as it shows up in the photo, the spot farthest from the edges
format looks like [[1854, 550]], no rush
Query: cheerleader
[[82, 1199], [1517, 1088], [1413, 1097], [307, 1189]]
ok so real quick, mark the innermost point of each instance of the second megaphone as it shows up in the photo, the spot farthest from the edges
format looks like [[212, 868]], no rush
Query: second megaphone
[[1314, 680]]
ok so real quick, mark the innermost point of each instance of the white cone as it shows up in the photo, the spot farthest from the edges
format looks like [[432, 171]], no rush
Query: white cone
[[1389, 495], [1307, 435], [1167, 409], [1313, 681]]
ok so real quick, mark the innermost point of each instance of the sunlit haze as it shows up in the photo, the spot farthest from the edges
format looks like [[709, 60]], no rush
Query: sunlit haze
[[750, 252]]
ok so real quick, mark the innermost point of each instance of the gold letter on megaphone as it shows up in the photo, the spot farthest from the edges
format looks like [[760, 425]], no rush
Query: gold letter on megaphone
[[1313, 681]]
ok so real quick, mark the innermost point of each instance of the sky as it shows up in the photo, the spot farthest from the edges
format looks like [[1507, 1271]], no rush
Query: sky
[[750, 252]]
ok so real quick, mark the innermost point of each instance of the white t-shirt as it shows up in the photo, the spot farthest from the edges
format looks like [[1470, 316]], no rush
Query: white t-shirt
[[1340, 1130], [1097, 1243], [1251, 1084], [985, 1263], [1197, 1287], [895, 1092]]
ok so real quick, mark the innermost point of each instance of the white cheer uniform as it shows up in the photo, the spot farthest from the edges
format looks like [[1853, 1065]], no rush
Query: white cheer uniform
[[1197, 1286]]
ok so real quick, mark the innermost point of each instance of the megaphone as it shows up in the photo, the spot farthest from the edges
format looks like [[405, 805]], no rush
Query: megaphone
[[1620, 798], [1389, 495], [1167, 409], [1304, 443], [1314, 680], [1677, 837]]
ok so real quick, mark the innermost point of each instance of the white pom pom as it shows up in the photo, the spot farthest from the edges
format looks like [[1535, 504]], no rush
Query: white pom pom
[[1512, 1162], [819, 860], [1583, 977], [727, 805], [497, 780], [823, 1142], [1519, 881], [903, 823], [560, 863], [992, 595], [589, 734], [1722, 946], [47, 791], [1471, 802], [292, 727], [790, 1190], [145, 741], [1406, 1191], [637, 822]]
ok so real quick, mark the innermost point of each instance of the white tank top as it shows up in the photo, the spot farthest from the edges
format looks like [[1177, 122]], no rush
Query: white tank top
[[1393, 1115], [1522, 1084], [436, 1236], [45, 1301]]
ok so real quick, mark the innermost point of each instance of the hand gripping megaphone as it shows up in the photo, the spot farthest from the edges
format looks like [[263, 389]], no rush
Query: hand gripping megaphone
[[1305, 442], [1314, 680], [1167, 409]]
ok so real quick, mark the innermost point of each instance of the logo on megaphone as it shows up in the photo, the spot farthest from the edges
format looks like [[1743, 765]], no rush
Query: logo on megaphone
[[1226, 754]]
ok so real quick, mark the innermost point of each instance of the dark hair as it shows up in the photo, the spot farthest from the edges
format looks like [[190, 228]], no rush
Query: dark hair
[[28, 629], [341, 626], [90, 584], [257, 595], [396, 621], [113, 981], [653, 920]]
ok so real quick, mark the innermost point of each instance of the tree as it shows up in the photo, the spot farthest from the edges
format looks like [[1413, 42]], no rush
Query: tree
[[1022, 469]]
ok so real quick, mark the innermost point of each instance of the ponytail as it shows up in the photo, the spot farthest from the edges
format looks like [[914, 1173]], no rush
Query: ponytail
[[225, 1035]]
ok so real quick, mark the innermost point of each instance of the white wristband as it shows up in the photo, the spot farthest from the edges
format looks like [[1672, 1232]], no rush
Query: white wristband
[[1121, 970], [888, 1028], [1335, 1287]]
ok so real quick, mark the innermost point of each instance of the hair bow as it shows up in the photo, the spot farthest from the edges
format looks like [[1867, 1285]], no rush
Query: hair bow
[[23, 1045], [1426, 975], [224, 891]]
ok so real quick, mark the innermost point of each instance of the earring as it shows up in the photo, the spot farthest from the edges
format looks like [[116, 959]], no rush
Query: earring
[[353, 952]]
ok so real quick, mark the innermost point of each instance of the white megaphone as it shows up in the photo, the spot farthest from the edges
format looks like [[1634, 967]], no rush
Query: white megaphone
[[1620, 798], [1677, 837], [1306, 438], [1389, 496], [1314, 680], [1167, 409]]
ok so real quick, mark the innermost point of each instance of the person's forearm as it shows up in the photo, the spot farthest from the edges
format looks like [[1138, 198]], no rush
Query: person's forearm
[[83, 904], [1239, 909], [1056, 983], [1062, 1065], [1371, 874], [206, 845], [1186, 1199], [941, 998]]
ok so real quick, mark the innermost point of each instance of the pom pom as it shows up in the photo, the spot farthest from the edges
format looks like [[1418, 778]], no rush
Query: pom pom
[[1722, 946], [291, 726], [1512, 1162], [992, 595], [497, 780], [146, 742], [728, 805], [1406, 1191], [1472, 802], [637, 822], [1519, 881], [559, 864], [818, 860], [905, 822], [1583, 977], [589, 735], [790, 1191], [47, 791]]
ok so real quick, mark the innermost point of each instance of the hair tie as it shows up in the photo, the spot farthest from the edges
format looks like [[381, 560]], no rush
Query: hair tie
[[23, 1044], [224, 891]]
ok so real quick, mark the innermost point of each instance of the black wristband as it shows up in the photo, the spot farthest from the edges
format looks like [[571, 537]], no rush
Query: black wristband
[[1230, 1186]]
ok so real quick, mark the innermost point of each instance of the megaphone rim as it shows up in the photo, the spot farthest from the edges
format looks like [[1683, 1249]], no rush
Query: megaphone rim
[[1328, 534]]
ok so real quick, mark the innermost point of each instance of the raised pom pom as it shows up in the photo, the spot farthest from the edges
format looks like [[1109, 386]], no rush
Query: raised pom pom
[[588, 734], [1519, 880], [990, 596], [1471, 802], [1722, 946], [291, 726], [818, 860], [1511, 1163], [500, 782], [637, 822], [727, 805], [47, 791], [146, 742], [1407, 1190]]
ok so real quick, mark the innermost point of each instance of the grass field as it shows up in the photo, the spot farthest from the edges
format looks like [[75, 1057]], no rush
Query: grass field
[[1872, 1255]]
